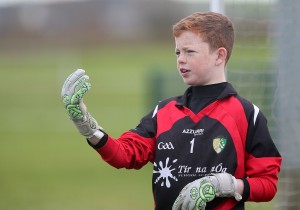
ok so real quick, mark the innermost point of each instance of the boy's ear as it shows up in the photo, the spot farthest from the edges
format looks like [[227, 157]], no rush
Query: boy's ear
[[222, 55]]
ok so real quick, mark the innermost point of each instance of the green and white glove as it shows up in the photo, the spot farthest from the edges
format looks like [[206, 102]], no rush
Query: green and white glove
[[196, 194], [73, 90]]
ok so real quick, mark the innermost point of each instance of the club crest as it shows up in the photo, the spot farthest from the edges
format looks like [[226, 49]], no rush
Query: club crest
[[219, 144]]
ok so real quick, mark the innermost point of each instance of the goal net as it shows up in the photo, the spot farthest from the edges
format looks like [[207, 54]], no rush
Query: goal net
[[264, 70]]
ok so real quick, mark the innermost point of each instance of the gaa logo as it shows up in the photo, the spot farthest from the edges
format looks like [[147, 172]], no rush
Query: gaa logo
[[162, 145]]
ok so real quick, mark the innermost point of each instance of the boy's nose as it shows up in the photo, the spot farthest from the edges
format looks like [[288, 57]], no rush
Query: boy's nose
[[181, 58]]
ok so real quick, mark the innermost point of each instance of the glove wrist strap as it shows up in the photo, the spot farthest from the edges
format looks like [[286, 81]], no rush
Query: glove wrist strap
[[88, 127], [226, 185]]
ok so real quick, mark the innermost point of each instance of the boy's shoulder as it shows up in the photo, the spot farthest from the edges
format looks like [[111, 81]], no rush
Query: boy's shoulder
[[230, 91], [243, 99], [249, 108], [176, 99], [246, 103]]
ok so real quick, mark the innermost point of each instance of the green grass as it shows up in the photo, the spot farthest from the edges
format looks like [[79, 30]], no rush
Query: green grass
[[45, 164]]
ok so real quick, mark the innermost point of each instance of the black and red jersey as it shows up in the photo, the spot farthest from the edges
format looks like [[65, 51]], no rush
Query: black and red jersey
[[209, 129]]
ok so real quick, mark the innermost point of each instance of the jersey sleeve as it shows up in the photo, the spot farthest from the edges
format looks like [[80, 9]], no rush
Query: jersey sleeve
[[134, 148], [262, 160]]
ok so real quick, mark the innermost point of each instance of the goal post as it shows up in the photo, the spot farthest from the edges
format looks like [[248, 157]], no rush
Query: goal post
[[217, 6], [287, 32]]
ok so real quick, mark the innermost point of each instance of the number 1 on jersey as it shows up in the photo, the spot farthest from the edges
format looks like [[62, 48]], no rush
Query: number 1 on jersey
[[192, 145]]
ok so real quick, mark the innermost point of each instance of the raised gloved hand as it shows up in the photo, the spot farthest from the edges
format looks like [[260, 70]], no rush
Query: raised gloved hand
[[73, 90], [196, 194]]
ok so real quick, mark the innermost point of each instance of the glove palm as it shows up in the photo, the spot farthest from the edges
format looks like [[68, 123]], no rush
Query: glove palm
[[196, 194], [73, 90]]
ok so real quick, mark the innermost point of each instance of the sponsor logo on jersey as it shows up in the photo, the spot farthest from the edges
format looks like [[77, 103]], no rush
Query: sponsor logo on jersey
[[167, 145], [195, 132], [219, 144], [169, 171], [164, 170]]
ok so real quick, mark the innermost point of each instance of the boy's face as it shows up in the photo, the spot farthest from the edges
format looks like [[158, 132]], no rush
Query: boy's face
[[196, 63]]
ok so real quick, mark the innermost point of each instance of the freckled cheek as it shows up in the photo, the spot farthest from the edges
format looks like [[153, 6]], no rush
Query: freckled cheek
[[177, 63]]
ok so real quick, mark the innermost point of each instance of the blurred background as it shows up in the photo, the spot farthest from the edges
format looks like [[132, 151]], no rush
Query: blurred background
[[127, 49]]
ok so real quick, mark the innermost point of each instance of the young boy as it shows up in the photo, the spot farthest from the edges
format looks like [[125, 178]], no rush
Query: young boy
[[211, 148]]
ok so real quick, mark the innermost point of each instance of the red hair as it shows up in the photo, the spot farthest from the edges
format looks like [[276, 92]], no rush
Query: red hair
[[214, 28]]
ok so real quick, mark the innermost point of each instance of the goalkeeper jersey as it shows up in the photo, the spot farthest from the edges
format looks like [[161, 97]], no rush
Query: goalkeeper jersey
[[209, 129]]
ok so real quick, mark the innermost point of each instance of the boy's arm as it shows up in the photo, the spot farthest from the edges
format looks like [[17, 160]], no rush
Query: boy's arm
[[128, 151], [262, 162], [133, 149]]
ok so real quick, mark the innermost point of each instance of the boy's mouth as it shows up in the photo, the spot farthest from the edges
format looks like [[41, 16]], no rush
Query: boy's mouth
[[184, 71]]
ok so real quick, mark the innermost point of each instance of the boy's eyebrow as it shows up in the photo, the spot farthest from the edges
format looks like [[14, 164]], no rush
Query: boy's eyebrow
[[183, 48]]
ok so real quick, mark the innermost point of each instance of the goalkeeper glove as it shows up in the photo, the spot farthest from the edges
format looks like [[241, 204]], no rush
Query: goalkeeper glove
[[73, 90], [196, 194]]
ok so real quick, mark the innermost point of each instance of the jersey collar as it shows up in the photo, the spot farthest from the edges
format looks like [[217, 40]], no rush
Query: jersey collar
[[227, 92]]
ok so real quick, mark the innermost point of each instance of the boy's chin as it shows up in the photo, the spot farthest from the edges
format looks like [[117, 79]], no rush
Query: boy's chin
[[190, 83]]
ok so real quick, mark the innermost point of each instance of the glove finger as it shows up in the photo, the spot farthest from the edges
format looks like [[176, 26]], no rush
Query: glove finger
[[74, 111], [192, 206], [178, 203], [71, 80], [69, 91], [75, 93], [200, 204], [77, 84], [77, 97], [187, 205]]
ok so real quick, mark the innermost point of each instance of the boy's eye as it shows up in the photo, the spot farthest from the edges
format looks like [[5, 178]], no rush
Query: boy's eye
[[177, 53], [190, 51]]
